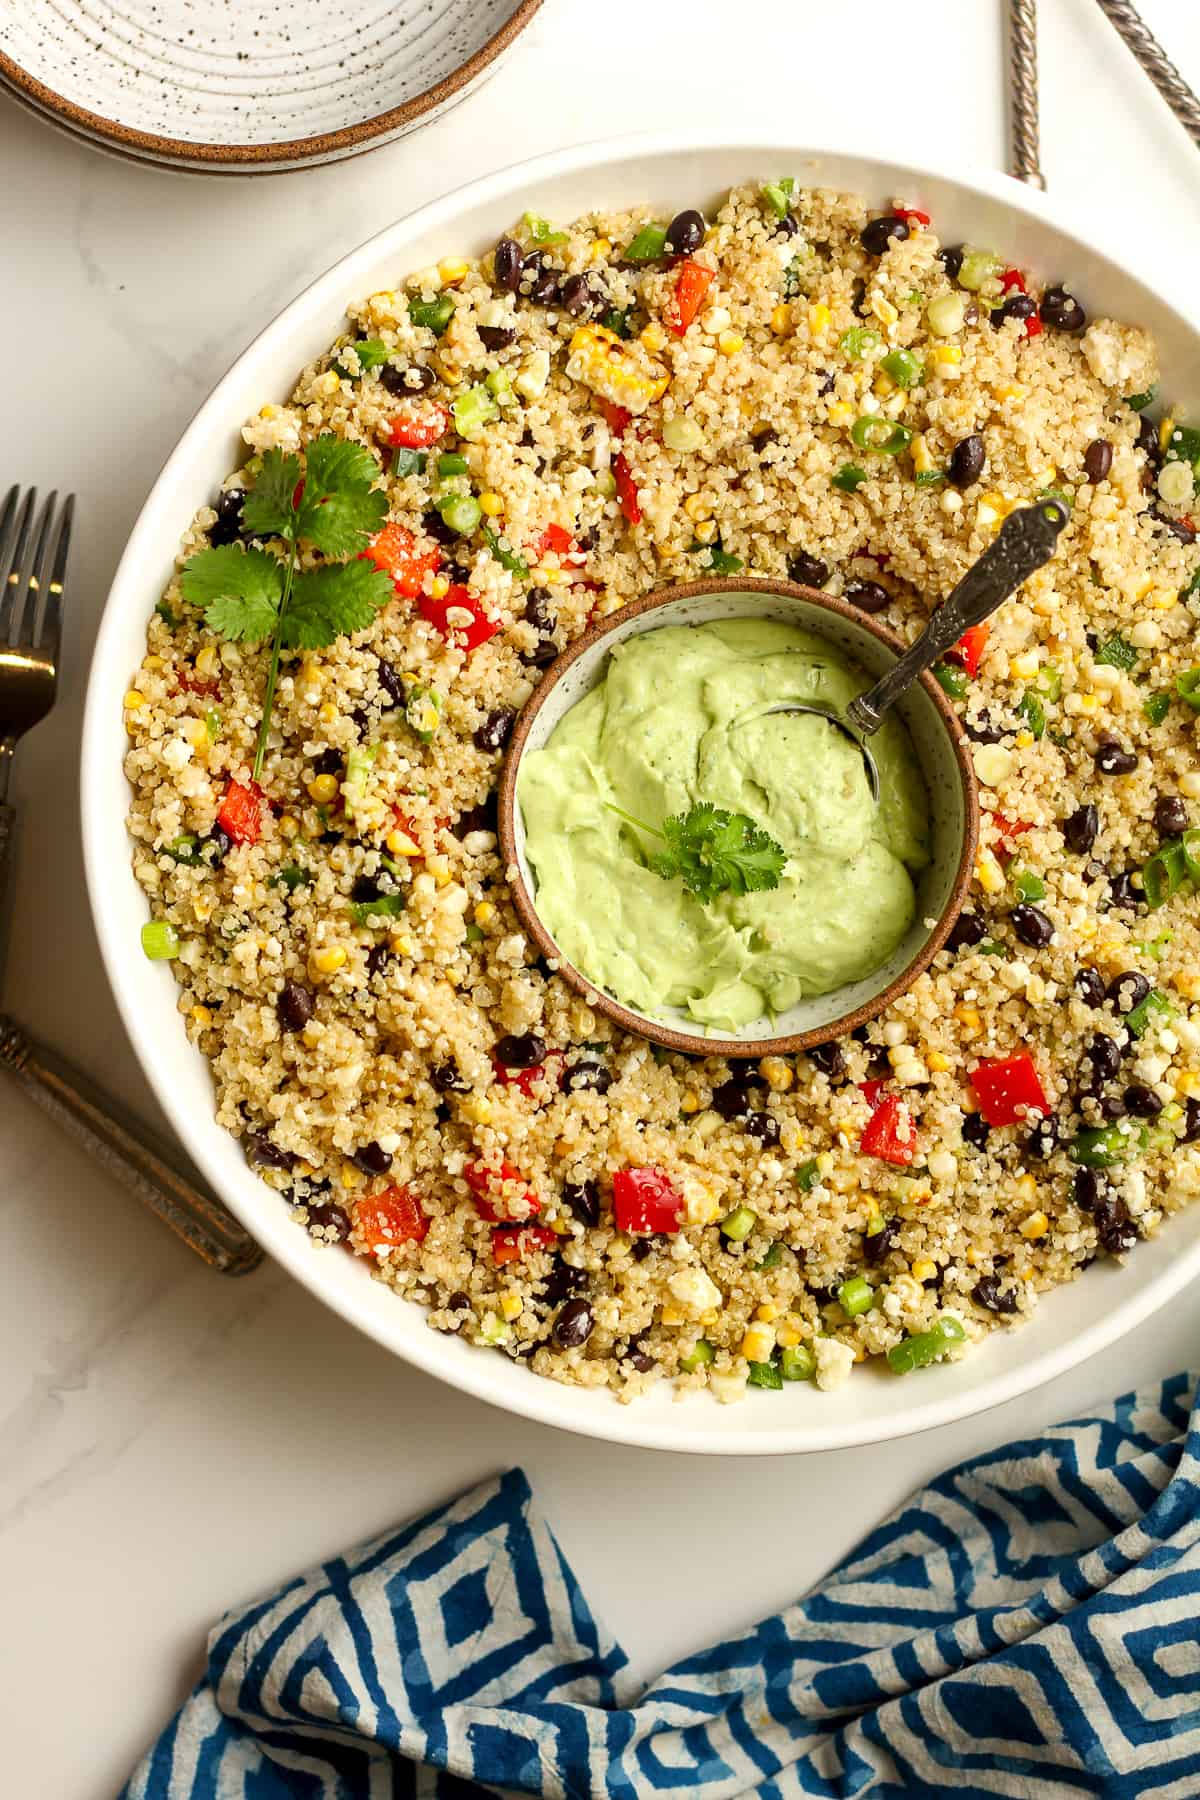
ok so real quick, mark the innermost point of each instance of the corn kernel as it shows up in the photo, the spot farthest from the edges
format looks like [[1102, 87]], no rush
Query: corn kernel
[[328, 383], [440, 587], [484, 912], [452, 270], [1164, 432], [1025, 739], [781, 320], [196, 733], [402, 944], [730, 342], [972, 1257], [401, 844], [559, 1226], [758, 1343], [134, 700], [206, 661], [289, 825], [767, 1313], [706, 531], [153, 662], [968, 1017], [328, 712], [697, 508], [449, 371], [511, 1306], [947, 356], [322, 789], [787, 1337], [691, 1103], [491, 505], [841, 413], [778, 1074], [1027, 1188], [709, 1319], [924, 1269], [350, 1176], [937, 1062], [200, 1015], [1035, 1226], [673, 1315], [1188, 984], [818, 318], [601, 247], [883, 309], [653, 336], [1025, 665], [328, 959], [922, 455], [883, 385], [202, 907], [989, 874], [1188, 1084], [477, 1108]]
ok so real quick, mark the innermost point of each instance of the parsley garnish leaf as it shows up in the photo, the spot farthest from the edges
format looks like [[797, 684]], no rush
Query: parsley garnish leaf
[[239, 590], [333, 601], [267, 509], [714, 852]]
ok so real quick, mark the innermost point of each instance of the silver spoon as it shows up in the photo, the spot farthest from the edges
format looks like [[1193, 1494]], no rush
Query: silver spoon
[[1025, 542]]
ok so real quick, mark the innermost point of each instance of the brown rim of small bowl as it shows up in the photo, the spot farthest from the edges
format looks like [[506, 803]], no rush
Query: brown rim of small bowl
[[349, 139], [689, 1043]]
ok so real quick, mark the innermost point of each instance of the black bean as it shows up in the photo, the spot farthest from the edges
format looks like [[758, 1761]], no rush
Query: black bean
[[1142, 1101], [1114, 1227], [573, 1325], [563, 1280], [968, 459], [586, 1075], [1122, 893], [364, 890], [579, 296], [1112, 1106], [228, 528], [459, 1302], [372, 1159], [830, 1059], [788, 226], [496, 729], [447, 1078], [378, 959], [434, 526], [877, 234], [1062, 311], [641, 1249], [637, 1356], [981, 728], [763, 1127], [763, 437], [1017, 306], [539, 279], [808, 571], [1090, 1187], [1032, 926], [1191, 1121], [1089, 985], [483, 817], [1170, 816], [261, 1153], [583, 1198], [390, 682], [507, 260], [976, 1130], [858, 297], [1101, 1059], [967, 930], [411, 380], [538, 612], [332, 1223], [685, 233], [1097, 460], [1080, 830], [1045, 1137], [544, 652], [951, 259], [1127, 990], [295, 1006], [1178, 528], [987, 1292], [732, 1100], [329, 762], [826, 384], [879, 1243], [523, 1052], [868, 596], [215, 847], [1112, 759], [495, 337]]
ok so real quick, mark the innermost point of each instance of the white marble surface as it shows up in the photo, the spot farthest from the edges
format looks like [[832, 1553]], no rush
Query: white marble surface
[[171, 1442]]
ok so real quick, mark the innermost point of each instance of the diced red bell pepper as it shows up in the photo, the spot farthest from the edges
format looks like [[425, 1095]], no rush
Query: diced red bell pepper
[[1008, 1088], [627, 492], [691, 285], [417, 431], [387, 1220], [615, 417], [1012, 281], [889, 1132], [522, 1078], [970, 647], [207, 688], [910, 213], [1008, 830], [513, 1243], [644, 1200], [485, 1184], [240, 815], [395, 551], [447, 614], [873, 1089], [558, 539], [1034, 327]]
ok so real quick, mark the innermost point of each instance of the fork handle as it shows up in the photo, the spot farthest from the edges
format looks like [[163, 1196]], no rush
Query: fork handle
[[130, 1153]]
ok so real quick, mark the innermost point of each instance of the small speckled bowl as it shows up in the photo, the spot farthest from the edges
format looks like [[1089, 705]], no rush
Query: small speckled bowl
[[937, 737]]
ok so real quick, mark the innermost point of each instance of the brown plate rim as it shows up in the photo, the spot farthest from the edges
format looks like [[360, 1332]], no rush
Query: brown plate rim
[[306, 149], [689, 1043]]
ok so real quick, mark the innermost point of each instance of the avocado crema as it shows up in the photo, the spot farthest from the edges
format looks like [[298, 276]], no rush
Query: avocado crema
[[681, 716]]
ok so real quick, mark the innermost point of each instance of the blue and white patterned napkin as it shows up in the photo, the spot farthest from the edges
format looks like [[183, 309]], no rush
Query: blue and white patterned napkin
[[1028, 1625]]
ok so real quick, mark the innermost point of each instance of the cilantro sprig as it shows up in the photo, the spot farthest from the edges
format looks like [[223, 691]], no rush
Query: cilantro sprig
[[713, 851], [329, 504]]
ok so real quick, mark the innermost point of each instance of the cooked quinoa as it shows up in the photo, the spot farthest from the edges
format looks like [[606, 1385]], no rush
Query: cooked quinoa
[[801, 387]]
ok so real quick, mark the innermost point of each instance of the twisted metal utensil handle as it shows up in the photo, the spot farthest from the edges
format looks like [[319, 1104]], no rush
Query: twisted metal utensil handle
[[1154, 60], [128, 1152], [1025, 157]]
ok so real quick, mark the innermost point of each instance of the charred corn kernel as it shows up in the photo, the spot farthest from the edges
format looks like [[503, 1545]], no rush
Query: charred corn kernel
[[947, 356], [200, 1015], [967, 1017], [601, 247], [767, 1313], [511, 1306], [653, 337], [484, 913], [988, 873], [449, 371], [350, 1176], [883, 309], [841, 413], [778, 1074], [491, 505], [730, 342], [922, 455], [787, 1337], [1035, 1226], [781, 320], [153, 662], [697, 508], [328, 959], [937, 1062], [758, 1343], [133, 700], [924, 1269], [477, 1108], [328, 383], [322, 789], [440, 587], [818, 318], [452, 270], [328, 712], [673, 1315], [614, 369], [706, 531], [1165, 430], [401, 843], [691, 1103]]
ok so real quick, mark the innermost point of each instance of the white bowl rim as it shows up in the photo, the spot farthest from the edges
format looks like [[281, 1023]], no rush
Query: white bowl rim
[[492, 1380]]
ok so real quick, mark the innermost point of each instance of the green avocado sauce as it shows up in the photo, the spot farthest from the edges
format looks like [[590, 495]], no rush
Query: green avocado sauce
[[681, 717]]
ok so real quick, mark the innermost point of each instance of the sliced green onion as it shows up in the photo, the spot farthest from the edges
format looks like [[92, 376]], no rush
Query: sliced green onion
[[856, 1296], [929, 477], [1139, 402], [452, 464], [952, 680], [720, 561], [905, 369], [461, 512], [764, 1375], [884, 436], [1154, 1009], [648, 245], [504, 553], [849, 477], [778, 195], [1117, 652], [1157, 706], [384, 906], [616, 320], [473, 410], [946, 314], [1049, 682], [498, 383], [435, 315], [989, 947], [541, 231], [797, 1363], [408, 462], [160, 940], [739, 1223], [772, 1259], [1033, 712], [700, 1353], [1187, 686], [186, 850], [925, 1347], [860, 343], [808, 1175], [1101, 1146], [1029, 886]]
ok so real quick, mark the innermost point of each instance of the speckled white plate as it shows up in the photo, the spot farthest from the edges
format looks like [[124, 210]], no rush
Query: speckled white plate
[[251, 85]]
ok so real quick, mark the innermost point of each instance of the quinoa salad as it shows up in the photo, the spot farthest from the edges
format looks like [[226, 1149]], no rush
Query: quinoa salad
[[800, 385]]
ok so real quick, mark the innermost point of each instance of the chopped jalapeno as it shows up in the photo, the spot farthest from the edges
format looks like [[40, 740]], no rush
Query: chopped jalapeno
[[1157, 706], [1187, 686], [1154, 1009], [648, 245], [383, 906], [1164, 874], [1139, 402], [451, 464], [764, 1375], [435, 315], [541, 231], [929, 477], [849, 477], [925, 1347], [772, 1259], [1117, 652], [860, 343], [797, 1363], [1033, 712], [1029, 885], [700, 1353], [954, 681], [504, 553], [185, 849], [739, 1223], [166, 615], [408, 462], [856, 1296], [808, 1175], [905, 369], [616, 320], [291, 878], [1102, 1146], [473, 410]]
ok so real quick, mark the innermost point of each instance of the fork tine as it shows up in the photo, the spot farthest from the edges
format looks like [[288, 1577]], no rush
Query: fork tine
[[38, 562], [51, 632], [11, 575]]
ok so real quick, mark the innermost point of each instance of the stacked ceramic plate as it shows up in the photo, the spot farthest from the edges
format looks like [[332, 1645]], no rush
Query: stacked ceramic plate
[[264, 84]]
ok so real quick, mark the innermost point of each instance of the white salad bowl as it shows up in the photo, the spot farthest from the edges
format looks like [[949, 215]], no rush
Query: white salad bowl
[[668, 171]]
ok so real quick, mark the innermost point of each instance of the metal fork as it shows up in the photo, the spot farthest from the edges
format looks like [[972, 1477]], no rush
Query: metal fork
[[33, 565]]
